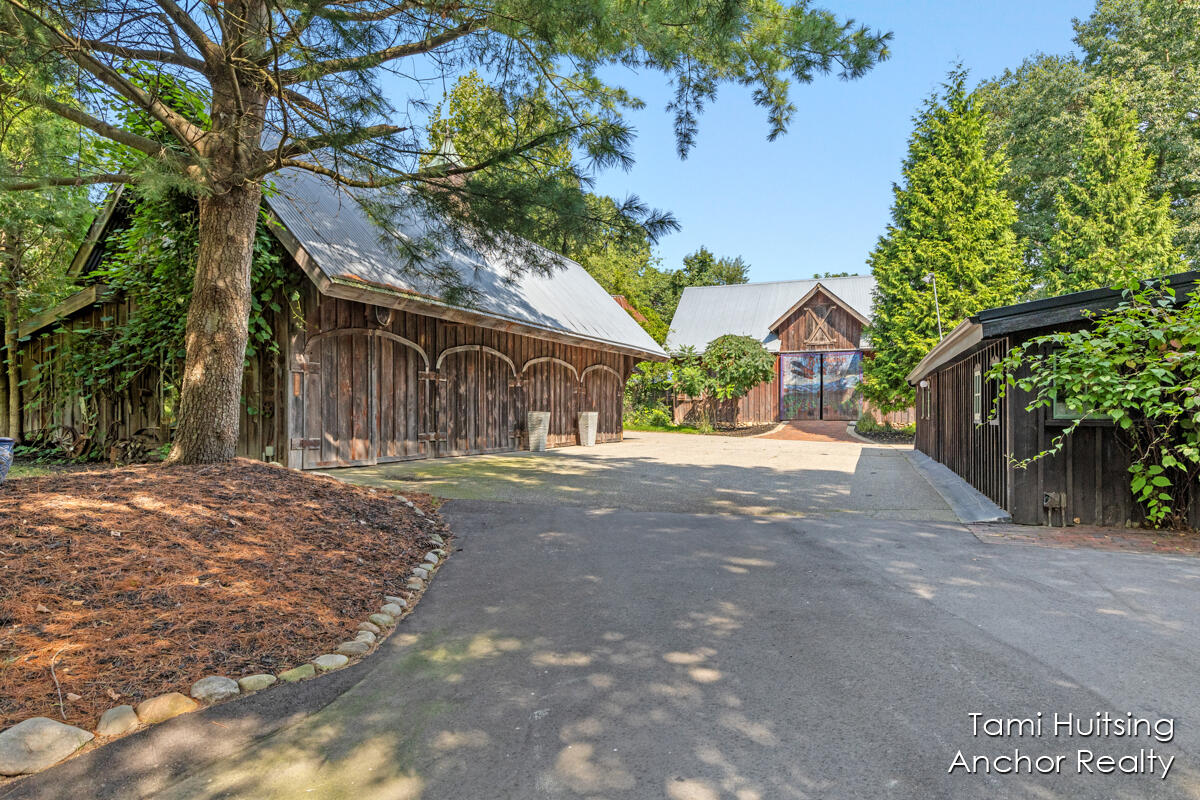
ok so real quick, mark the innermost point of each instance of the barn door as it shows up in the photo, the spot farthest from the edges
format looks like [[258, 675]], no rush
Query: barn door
[[820, 385], [552, 384], [841, 374], [604, 394], [363, 399], [800, 386], [476, 411], [401, 409], [339, 400]]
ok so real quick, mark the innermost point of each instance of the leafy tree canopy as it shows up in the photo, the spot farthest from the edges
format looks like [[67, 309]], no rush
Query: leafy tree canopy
[[611, 239], [700, 268], [736, 364], [40, 229], [1151, 50], [1145, 49], [1036, 118]]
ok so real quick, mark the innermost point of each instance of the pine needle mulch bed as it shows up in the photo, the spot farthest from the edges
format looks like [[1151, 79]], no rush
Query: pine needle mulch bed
[[136, 581], [746, 430]]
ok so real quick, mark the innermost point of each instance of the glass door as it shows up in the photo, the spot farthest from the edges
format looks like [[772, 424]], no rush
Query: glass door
[[841, 373], [800, 386]]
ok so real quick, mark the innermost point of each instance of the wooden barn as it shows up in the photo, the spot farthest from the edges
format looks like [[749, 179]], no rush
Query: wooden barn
[[814, 328], [372, 366], [1085, 484]]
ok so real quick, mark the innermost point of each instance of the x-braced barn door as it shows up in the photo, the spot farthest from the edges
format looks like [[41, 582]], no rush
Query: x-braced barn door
[[365, 399], [820, 385]]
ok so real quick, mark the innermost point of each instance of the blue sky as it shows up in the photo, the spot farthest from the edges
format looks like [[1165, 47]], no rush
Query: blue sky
[[816, 199]]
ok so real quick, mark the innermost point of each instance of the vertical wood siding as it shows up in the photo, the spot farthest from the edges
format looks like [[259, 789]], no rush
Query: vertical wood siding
[[1091, 471], [820, 324], [472, 397], [357, 384], [50, 402], [976, 452]]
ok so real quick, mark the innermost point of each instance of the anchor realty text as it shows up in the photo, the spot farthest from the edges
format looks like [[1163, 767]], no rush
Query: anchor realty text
[[1102, 725]]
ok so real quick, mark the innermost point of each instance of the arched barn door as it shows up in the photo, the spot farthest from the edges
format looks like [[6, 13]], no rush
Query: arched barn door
[[553, 385], [604, 393], [476, 411], [402, 401], [362, 399]]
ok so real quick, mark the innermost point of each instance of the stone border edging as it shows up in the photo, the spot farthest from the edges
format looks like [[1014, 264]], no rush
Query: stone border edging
[[38, 743], [867, 440]]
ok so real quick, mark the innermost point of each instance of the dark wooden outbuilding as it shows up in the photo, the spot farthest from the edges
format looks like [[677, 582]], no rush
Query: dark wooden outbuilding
[[374, 367], [1085, 484]]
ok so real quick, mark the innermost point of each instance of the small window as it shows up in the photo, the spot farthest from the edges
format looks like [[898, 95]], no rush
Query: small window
[[977, 396], [1060, 411]]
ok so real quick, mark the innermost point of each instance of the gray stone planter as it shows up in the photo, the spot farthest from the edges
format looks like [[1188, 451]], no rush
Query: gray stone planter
[[588, 422], [539, 430]]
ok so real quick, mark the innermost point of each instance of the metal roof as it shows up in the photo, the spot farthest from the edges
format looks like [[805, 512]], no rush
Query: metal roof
[[748, 309], [1030, 316], [350, 248]]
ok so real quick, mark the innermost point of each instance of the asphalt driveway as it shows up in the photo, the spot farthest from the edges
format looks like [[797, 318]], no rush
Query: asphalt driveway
[[567, 651], [684, 473]]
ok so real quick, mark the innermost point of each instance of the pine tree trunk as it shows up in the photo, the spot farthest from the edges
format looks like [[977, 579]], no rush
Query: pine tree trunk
[[4, 400], [11, 314], [215, 336], [9, 284]]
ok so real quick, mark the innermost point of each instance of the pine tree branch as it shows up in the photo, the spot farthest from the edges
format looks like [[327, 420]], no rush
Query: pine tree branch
[[177, 58], [304, 146], [66, 180], [371, 16], [185, 131], [320, 69], [209, 50], [424, 175], [140, 143]]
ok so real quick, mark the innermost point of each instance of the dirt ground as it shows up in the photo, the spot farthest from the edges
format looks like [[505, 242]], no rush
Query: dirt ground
[[121, 584]]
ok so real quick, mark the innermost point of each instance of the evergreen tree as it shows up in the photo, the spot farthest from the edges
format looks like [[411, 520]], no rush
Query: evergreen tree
[[951, 220], [1035, 114], [1109, 229]]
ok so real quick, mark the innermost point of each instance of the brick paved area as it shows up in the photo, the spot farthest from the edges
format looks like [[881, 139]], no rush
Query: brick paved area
[[1090, 537], [812, 431]]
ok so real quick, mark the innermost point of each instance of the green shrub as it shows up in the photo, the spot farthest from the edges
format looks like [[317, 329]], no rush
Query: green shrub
[[867, 423], [656, 416]]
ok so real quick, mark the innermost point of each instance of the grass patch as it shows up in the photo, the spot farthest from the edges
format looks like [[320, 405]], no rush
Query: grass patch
[[28, 471], [662, 428]]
